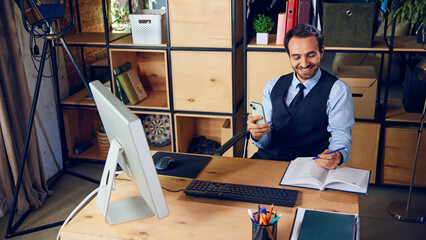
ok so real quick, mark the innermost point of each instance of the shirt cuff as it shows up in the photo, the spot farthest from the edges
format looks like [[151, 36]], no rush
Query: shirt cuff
[[345, 156]]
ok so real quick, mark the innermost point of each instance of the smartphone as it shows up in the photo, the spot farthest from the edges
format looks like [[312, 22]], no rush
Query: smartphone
[[256, 110]]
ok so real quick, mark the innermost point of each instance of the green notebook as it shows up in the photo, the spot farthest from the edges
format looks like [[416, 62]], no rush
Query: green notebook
[[328, 226]]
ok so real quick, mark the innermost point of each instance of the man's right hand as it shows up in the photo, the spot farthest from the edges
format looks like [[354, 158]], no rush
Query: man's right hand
[[256, 130]]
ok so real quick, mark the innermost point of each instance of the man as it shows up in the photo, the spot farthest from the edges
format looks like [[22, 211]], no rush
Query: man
[[321, 120]]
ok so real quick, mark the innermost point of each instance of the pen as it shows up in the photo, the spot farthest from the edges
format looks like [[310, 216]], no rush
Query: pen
[[331, 152], [251, 215], [258, 212], [275, 219]]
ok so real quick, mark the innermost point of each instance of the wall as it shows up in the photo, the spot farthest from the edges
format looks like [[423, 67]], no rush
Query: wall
[[91, 21]]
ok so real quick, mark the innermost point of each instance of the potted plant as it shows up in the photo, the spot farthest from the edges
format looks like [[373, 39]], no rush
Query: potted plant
[[120, 21], [413, 11], [262, 25]]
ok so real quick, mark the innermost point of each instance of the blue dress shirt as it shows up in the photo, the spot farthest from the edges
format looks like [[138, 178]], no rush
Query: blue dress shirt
[[340, 112]]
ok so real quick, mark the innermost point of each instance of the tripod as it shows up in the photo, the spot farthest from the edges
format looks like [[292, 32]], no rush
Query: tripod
[[50, 36]]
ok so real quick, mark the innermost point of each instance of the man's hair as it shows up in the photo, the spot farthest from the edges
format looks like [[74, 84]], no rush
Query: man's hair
[[304, 30]]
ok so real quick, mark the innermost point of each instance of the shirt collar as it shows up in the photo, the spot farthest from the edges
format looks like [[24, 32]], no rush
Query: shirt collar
[[308, 84]]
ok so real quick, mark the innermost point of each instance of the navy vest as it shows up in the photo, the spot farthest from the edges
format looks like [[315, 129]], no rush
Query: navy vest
[[304, 134]]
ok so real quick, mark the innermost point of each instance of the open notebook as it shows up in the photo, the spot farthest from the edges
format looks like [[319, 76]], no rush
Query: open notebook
[[303, 172]]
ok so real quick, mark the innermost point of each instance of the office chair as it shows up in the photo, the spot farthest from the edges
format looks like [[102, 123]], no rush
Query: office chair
[[231, 142]]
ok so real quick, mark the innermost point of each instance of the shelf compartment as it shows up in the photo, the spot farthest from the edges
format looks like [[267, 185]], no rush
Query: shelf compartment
[[262, 67], [92, 38], [204, 24], [399, 152], [396, 113], [151, 66], [191, 126], [82, 125], [81, 98], [169, 146], [202, 81]]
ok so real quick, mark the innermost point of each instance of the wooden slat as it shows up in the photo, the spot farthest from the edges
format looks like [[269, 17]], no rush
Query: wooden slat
[[202, 81], [379, 44], [271, 43], [185, 132], [399, 152], [92, 38], [407, 44], [365, 146], [396, 112], [81, 98], [128, 41], [262, 67], [204, 24]]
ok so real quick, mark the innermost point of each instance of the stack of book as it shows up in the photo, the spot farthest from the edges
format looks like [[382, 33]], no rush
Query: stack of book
[[129, 85], [297, 12]]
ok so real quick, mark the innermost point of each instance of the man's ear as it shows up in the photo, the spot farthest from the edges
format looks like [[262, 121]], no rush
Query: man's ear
[[322, 51]]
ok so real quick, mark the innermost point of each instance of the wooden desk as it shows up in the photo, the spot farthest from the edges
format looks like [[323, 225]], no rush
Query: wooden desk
[[202, 218]]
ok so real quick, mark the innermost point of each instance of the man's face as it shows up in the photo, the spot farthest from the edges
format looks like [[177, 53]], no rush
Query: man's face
[[305, 56]]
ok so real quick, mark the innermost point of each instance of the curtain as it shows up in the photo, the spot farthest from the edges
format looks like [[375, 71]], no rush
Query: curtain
[[15, 105]]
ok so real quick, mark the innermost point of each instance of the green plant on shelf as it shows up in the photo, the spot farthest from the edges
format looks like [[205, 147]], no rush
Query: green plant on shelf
[[263, 24], [120, 13], [412, 10]]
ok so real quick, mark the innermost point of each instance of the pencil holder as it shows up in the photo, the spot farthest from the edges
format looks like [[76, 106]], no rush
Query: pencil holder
[[263, 231]]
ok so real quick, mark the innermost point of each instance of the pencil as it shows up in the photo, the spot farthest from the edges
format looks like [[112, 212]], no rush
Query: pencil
[[270, 234], [270, 212]]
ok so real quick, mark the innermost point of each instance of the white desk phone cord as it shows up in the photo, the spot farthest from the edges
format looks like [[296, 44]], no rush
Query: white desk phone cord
[[78, 208]]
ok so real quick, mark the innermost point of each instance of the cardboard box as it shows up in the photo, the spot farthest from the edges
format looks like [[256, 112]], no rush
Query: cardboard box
[[363, 83]]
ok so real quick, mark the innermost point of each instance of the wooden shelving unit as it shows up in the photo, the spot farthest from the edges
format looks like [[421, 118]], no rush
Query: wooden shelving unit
[[195, 76], [207, 70]]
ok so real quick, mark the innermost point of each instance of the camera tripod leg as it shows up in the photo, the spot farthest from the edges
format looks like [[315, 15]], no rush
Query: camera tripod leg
[[10, 228], [86, 84]]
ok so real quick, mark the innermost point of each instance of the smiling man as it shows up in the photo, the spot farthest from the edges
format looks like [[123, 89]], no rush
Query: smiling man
[[308, 112]]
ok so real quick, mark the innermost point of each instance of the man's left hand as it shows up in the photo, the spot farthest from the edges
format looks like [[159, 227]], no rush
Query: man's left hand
[[329, 161]]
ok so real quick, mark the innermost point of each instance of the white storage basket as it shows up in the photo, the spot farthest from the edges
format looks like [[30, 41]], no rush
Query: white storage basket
[[148, 26]]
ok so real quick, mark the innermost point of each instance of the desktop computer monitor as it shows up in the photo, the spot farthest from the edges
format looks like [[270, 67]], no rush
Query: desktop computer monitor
[[129, 148]]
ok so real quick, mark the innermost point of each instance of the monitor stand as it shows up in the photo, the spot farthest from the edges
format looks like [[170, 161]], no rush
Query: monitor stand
[[125, 210]]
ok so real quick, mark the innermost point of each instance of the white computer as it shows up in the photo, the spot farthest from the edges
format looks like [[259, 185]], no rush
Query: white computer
[[129, 148]]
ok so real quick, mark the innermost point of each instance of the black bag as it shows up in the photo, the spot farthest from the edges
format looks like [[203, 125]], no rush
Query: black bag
[[414, 94], [202, 145]]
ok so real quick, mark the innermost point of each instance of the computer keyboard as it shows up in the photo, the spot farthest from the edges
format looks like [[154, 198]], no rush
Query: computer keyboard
[[243, 193]]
